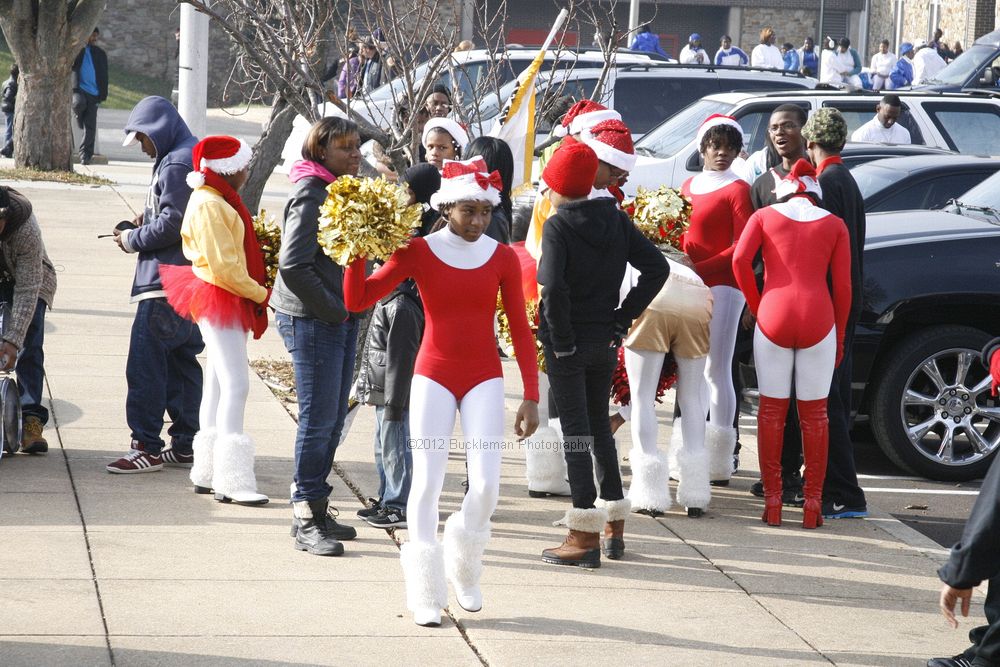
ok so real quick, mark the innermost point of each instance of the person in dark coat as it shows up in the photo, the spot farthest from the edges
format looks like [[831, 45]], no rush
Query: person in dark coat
[[825, 134], [90, 88], [8, 99]]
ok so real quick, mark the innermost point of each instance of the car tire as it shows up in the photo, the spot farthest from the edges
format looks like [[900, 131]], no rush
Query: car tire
[[912, 428]]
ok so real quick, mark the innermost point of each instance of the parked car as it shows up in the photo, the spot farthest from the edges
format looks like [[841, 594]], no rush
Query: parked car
[[977, 67], [960, 122], [854, 154], [920, 182]]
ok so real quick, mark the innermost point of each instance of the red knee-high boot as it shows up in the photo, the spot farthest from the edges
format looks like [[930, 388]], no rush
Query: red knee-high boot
[[771, 415], [815, 443]]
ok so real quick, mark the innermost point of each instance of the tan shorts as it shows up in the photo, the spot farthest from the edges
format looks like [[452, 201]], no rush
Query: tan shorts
[[676, 321]]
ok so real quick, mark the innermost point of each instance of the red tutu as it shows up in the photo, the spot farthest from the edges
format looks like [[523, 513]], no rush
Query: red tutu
[[199, 301]]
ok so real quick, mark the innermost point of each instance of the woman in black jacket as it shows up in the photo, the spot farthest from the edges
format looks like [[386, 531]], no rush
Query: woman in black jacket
[[317, 330]]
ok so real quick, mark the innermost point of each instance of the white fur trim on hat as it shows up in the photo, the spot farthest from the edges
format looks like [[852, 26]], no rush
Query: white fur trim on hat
[[463, 188], [456, 131], [801, 185], [585, 121], [609, 154], [713, 121], [229, 165]]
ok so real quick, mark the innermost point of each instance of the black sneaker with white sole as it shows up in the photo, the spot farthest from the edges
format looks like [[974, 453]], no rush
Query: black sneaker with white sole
[[791, 491], [834, 510], [374, 507], [388, 518]]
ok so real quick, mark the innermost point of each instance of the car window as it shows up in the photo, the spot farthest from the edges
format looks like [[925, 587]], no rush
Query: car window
[[645, 101], [727, 85], [986, 193], [858, 113], [943, 188], [873, 178], [968, 128], [670, 136], [578, 89]]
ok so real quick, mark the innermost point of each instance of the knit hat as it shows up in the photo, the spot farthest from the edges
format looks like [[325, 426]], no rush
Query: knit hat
[[712, 121], [457, 132], [826, 127], [571, 169], [584, 115], [221, 154], [799, 181], [467, 180], [424, 179], [15, 208], [612, 141]]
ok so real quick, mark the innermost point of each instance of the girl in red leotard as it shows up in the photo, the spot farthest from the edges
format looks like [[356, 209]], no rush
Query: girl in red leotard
[[800, 326], [720, 206], [458, 271]]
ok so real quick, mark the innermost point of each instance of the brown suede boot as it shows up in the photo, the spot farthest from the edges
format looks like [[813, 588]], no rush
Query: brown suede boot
[[582, 545], [613, 544]]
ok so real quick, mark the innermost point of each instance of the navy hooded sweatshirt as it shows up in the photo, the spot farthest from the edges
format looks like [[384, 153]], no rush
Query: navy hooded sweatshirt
[[158, 239]]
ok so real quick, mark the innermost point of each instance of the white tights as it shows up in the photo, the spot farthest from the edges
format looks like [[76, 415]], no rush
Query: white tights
[[719, 395], [812, 367], [227, 379], [643, 368], [432, 422]]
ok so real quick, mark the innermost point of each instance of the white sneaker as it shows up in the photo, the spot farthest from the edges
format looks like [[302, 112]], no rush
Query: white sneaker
[[429, 618]]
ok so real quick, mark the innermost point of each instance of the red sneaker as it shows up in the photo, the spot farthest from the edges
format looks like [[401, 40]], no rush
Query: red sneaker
[[137, 460], [172, 457]]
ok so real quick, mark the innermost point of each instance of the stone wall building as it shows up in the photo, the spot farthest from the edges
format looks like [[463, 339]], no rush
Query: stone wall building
[[962, 21]]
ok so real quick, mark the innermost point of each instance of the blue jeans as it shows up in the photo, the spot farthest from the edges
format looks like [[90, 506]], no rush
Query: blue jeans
[[323, 360], [8, 134], [30, 367], [393, 459], [163, 374]]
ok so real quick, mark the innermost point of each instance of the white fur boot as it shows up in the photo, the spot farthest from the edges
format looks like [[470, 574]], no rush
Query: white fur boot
[[463, 560], [650, 488], [694, 491], [676, 445], [545, 464], [426, 588], [233, 478], [720, 441], [201, 469]]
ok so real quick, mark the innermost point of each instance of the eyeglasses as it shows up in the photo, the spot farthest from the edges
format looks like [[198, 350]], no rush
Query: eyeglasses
[[787, 126]]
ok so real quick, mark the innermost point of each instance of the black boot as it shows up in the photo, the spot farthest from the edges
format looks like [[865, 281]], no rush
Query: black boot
[[308, 527]]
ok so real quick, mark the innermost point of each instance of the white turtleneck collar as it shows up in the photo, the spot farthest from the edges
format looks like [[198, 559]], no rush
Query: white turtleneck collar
[[710, 181], [800, 209], [456, 252]]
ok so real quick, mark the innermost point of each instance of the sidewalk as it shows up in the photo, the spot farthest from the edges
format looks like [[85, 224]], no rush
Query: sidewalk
[[138, 570]]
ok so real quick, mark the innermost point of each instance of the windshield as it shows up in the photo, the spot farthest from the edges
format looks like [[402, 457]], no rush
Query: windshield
[[670, 136], [962, 68], [986, 194], [872, 178]]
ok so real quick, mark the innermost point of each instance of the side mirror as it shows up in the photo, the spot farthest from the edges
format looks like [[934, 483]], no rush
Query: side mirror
[[695, 162], [987, 79]]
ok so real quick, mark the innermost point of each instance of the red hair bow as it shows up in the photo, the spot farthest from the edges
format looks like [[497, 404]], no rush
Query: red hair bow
[[486, 180], [454, 168]]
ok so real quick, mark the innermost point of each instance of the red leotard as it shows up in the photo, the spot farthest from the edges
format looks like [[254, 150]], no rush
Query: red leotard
[[717, 221], [796, 310], [459, 349]]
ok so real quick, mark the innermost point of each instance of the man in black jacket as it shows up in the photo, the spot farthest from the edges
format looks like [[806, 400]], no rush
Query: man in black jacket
[[8, 98], [90, 88], [825, 135], [585, 247]]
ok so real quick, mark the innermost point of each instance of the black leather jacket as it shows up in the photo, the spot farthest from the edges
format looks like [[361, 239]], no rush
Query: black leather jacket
[[391, 351], [309, 283]]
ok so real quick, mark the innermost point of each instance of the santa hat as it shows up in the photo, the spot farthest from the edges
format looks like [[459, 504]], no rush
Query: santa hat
[[221, 154], [571, 170], [714, 120], [800, 180], [584, 115], [467, 180], [457, 132], [612, 141]]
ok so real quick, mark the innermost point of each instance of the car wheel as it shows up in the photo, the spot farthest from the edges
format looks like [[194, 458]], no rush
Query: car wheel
[[932, 413]]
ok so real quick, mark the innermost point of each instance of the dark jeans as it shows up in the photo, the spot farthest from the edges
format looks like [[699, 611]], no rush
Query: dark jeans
[[30, 367], [323, 360], [163, 374], [7, 145], [85, 108], [581, 385], [393, 459], [985, 649]]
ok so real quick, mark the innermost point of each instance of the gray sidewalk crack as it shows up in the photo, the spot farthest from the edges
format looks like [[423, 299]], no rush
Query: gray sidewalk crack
[[83, 524]]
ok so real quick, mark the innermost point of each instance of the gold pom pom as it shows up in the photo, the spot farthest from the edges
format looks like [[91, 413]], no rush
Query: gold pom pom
[[364, 217], [269, 238], [662, 215], [507, 340]]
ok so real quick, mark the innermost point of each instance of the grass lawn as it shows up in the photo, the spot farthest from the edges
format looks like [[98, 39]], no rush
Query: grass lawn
[[125, 88], [71, 177]]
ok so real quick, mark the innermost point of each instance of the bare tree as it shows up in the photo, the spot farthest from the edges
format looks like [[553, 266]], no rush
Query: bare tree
[[45, 37]]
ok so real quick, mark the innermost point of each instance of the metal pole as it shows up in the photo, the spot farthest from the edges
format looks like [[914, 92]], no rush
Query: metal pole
[[820, 38], [192, 80], [633, 16]]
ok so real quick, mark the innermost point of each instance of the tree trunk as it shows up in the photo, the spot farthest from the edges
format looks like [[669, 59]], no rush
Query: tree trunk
[[42, 136], [267, 151]]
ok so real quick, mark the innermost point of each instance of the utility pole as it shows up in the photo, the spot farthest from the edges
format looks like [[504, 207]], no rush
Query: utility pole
[[633, 17], [192, 81]]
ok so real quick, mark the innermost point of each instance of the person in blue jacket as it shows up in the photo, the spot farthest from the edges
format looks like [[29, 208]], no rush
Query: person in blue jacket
[[647, 40], [790, 56], [902, 72]]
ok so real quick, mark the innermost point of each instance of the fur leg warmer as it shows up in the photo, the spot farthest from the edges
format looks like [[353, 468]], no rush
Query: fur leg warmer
[[650, 488], [694, 489], [204, 457], [585, 521], [463, 560], [545, 464], [617, 510], [423, 571], [676, 445], [720, 441], [233, 459]]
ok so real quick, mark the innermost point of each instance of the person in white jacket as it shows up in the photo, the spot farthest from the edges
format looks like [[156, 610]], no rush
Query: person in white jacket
[[926, 62], [766, 54], [882, 63], [693, 53]]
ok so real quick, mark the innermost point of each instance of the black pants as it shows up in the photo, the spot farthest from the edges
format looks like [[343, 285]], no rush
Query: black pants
[[581, 385], [85, 108], [985, 649], [841, 485]]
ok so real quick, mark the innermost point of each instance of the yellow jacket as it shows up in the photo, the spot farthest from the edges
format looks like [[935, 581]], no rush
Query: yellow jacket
[[542, 211], [212, 239]]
